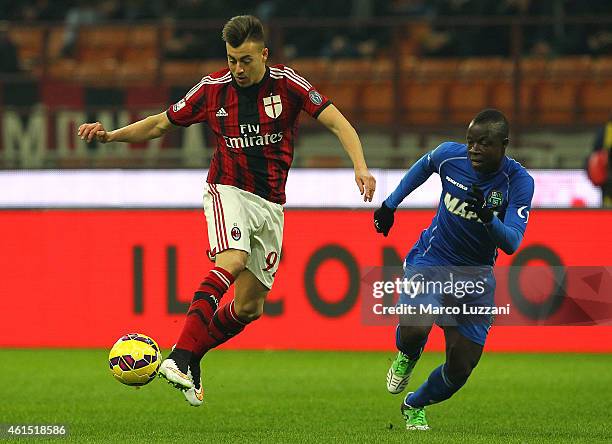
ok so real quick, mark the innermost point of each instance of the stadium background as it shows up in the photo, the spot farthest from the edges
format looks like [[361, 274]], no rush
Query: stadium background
[[98, 240]]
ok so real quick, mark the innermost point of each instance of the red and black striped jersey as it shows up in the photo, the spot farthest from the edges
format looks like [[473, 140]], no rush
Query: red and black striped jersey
[[255, 127]]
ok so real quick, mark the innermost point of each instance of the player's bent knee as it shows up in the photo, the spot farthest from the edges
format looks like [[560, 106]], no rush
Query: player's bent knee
[[413, 334], [252, 316], [458, 379], [459, 374], [249, 313], [460, 367]]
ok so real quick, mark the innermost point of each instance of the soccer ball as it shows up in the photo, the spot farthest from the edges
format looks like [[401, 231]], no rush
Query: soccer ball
[[134, 359]]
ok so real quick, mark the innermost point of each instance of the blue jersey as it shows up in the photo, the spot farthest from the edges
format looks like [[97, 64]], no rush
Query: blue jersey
[[457, 236]]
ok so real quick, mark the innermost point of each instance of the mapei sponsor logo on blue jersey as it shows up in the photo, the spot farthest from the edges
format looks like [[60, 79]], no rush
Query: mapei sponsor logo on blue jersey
[[458, 207]]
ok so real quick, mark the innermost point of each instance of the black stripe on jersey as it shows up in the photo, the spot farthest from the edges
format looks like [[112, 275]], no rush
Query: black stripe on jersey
[[223, 96], [296, 98], [199, 104], [248, 114]]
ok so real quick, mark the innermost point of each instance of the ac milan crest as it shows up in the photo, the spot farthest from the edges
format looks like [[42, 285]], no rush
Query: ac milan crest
[[273, 106], [236, 234], [315, 97]]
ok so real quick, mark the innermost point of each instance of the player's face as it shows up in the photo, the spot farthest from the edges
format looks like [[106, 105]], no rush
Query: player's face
[[486, 148], [247, 62]]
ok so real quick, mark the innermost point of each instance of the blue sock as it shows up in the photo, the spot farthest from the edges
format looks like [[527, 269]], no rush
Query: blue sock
[[437, 388], [413, 351]]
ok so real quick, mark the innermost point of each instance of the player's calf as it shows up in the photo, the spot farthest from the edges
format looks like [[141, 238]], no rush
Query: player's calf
[[410, 341], [204, 304]]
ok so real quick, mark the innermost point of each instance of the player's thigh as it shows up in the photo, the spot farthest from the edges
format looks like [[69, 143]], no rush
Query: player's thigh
[[232, 260], [462, 353], [410, 334], [229, 223], [470, 325], [249, 295], [266, 243], [419, 303]]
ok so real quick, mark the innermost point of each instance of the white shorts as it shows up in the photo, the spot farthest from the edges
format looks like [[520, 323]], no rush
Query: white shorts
[[240, 220]]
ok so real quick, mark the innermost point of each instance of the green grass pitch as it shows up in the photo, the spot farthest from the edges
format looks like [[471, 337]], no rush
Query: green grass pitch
[[258, 396]]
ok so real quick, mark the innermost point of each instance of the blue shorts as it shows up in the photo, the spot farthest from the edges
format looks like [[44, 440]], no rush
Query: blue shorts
[[449, 295]]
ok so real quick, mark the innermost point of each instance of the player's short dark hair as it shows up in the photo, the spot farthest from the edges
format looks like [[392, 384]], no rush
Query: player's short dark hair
[[241, 28], [496, 119]]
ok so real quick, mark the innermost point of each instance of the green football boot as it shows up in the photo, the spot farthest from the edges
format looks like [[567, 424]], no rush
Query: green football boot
[[415, 417], [399, 373]]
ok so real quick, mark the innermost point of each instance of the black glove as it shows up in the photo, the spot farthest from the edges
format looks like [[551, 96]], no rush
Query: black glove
[[383, 219], [476, 203]]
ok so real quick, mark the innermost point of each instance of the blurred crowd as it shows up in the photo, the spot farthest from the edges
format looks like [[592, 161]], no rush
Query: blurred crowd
[[349, 41]]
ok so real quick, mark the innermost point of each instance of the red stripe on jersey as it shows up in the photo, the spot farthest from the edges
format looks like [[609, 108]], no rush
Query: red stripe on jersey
[[221, 217], [217, 99], [223, 245], [216, 217]]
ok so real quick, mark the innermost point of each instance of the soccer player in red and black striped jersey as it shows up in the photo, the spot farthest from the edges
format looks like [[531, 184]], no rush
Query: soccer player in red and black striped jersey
[[253, 111]]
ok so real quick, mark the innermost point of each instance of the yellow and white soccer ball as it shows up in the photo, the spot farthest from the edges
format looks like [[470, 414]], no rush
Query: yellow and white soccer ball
[[134, 359]]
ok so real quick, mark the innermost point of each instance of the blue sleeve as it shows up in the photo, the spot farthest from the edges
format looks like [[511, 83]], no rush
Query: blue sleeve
[[509, 233], [416, 176], [506, 238]]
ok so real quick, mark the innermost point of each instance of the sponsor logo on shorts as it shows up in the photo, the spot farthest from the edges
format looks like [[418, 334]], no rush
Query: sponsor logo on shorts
[[315, 97], [236, 234]]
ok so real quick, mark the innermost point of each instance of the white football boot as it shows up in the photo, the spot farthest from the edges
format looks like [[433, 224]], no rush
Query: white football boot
[[175, 369], [195, 395]]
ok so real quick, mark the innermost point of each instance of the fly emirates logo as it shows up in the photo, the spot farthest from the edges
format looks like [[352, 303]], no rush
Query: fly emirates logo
[[250, 136]]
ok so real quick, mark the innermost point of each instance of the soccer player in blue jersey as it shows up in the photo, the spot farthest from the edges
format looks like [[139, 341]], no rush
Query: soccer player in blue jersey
[[485, 203]]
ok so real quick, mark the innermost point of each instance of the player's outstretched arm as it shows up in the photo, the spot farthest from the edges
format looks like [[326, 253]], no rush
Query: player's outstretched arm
[[333, 119], [149, 128], [414, 178]]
